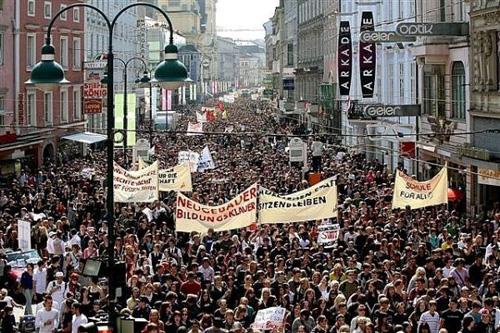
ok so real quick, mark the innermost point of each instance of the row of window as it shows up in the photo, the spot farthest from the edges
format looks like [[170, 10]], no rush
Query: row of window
[[64, 51], [48, 108], [310, 9], [434, 99], [47, 11]]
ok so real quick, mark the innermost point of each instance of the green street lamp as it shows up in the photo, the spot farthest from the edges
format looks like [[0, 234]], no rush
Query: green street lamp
[[47, 74], [171, 74]]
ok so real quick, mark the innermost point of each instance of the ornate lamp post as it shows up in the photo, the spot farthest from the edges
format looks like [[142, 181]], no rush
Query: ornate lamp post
[[48, 74]]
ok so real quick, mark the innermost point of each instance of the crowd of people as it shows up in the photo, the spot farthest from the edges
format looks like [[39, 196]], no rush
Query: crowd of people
[[429, 270]]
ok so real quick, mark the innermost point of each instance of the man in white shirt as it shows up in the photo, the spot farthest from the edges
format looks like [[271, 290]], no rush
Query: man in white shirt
[[430, 317], [46, 319], [78, 317], [57, 288], [40, 280]]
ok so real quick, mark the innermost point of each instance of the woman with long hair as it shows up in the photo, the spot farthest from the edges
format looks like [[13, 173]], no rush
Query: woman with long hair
[[205, 302]]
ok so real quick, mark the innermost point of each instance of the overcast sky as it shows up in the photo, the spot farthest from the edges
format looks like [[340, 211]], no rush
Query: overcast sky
[[244, 14]]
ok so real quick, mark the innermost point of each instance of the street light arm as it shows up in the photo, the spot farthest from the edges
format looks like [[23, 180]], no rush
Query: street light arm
[[108, 23], [170, 26], [137, 58]]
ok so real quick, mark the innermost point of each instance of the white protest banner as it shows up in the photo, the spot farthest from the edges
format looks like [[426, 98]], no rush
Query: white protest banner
[[177, 178], [206, 161], [328, 233], [195, 129], [411, 192], [24, 235], [136, 186], [270, 318], [229, 129], [314, 203], [189, 157], [238, 213], [201, 117]]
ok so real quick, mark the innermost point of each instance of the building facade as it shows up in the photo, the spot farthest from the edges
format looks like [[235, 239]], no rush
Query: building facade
[[7, 70], [310, 61], [252, 57], [227, 64], [443, 93], [128, 42], [290, 41], [482, 156], [43, 117]]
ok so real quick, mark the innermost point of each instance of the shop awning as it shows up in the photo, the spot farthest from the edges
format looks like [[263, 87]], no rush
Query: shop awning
[[85, 137]]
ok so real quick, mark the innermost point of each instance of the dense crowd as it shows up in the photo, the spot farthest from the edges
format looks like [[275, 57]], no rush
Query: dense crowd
[[429, 270]]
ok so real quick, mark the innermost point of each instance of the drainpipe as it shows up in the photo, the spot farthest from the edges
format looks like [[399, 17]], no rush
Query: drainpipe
[[17, 17]]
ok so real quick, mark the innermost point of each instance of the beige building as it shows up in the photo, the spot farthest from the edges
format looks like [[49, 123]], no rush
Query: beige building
[[482, 156], [185, 16], [443, 92]]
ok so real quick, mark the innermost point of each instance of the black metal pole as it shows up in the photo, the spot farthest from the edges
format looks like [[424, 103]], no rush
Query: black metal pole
[[151, 120], [112, 278], [125, 115]]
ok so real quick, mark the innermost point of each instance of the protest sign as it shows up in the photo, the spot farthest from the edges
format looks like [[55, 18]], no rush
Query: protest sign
[[238, 213], [189, 157], [194, 129], [410, 192], [270, 318], [135, 186], [328, 233], [314, 203], [24, 235], [177, 178], [206, 161]]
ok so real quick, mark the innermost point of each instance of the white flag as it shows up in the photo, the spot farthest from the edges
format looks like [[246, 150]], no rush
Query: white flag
[[194, 129], [201, 117], [206, 160]]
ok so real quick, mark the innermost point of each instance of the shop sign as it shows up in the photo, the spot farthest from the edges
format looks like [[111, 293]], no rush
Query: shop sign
[[474, 152], [97, 64], [432, 29], [92, 106], [379, 110], [367, 58], [488, 177], [384, 37], [20, 107], [344, 58], [92, 88]]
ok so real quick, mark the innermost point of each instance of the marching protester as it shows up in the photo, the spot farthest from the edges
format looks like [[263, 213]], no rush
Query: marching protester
[[429, 269]]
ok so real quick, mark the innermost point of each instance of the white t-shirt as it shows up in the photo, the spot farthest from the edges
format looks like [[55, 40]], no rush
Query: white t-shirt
[[77, 321], [42, 316]]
